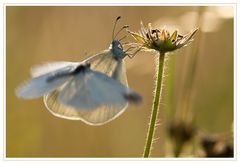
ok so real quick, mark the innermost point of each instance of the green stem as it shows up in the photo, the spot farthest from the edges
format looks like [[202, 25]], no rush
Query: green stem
[[155, 107]]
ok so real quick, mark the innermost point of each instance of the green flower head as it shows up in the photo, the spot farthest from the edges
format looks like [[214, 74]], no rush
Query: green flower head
[[160, 39]]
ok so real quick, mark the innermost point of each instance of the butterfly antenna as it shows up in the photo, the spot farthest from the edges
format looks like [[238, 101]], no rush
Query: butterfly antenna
[[115, 26], [122, 38], [125, 26]]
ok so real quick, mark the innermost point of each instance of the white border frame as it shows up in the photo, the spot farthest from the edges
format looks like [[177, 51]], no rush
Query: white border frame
[[45, 3]]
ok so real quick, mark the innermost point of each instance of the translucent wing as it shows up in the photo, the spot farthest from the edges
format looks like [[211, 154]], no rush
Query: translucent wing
[[91, 89], [95, 99], [106, 63], [42, 69], [120, 73], [43, 84]]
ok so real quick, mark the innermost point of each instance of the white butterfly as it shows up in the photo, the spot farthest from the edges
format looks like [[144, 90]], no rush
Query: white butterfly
[[86, 95]]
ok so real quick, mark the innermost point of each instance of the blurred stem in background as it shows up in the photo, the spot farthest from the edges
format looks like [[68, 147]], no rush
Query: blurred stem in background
[[181, 128]]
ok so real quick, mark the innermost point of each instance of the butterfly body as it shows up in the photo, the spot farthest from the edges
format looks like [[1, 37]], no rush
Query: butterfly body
[[117, 50]]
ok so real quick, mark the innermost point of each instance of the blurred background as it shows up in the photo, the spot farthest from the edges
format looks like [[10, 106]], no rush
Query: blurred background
[[196, 112]]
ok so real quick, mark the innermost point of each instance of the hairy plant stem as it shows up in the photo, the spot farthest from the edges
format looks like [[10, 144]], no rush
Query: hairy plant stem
[[155, 106]]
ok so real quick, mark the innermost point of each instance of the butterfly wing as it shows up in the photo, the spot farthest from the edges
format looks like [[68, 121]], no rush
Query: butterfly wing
[[120, 73], [103, 62], [95, 99], [44, 83], [45, 68], [106, 63]]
